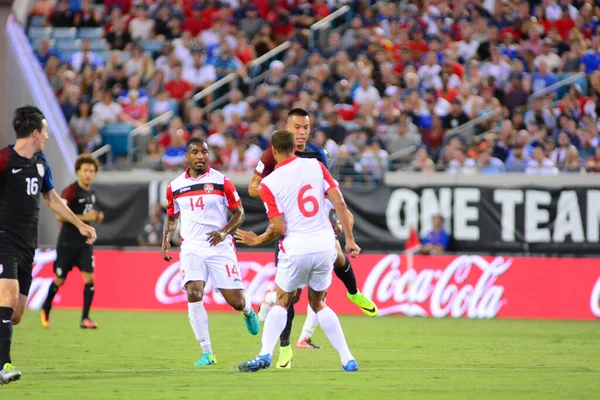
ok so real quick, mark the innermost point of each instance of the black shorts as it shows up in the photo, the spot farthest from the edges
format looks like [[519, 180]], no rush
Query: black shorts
[[14, 265], [68, 257]]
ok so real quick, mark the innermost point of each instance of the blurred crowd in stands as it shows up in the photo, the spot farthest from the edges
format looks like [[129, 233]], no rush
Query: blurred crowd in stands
[[390, 90]]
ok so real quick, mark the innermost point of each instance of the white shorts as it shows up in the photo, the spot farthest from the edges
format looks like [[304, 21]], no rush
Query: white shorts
[[296, 271], [221, 266]]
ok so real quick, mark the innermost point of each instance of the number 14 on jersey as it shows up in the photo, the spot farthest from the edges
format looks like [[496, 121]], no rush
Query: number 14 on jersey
[[196, 202]]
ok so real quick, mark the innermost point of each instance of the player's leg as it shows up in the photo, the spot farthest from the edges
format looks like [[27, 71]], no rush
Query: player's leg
[[274, 325], [15, 282], [85, 262], [292, 273], [194, 274], [310, 324], [223, 269], [319, 281], [343, 270], [62, 266]]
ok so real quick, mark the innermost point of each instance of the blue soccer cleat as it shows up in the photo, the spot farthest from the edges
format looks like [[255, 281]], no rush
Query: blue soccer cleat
[[206, 359], [252, 323], [352, 366], [256, 364]]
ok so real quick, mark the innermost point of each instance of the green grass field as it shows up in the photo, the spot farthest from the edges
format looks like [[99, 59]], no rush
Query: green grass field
[[151, 355]]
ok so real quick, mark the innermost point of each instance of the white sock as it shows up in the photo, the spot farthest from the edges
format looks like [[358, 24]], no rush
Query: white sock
[[199, 321], [333, 329], [248, 308], [312, 321], [274, 325]]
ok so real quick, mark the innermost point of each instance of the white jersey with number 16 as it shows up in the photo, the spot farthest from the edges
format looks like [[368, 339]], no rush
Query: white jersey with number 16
[[296, 190]]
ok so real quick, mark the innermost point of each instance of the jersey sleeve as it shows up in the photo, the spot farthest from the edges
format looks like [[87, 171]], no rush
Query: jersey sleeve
[[329, 182], [172, 208], [68, 194], [47, 182], [270, 202], [4, 155], [267, 163], [232, 198]]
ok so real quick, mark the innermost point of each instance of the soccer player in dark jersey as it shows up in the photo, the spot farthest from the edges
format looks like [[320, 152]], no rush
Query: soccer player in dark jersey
[[72, 250], [298, 122], [24, 174]]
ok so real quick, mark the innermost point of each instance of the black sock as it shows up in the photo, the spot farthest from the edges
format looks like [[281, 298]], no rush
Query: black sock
[[284, 338], [346, 275], [52, 290], [88, 296], [6, 331]]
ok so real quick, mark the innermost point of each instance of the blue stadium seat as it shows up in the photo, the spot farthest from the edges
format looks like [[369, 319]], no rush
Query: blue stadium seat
[[64, 33], [152, 45], [582, 82], [35, 43], [90, 33], [68, 45], [37, 20], [38, 32], [117, 135], [97, 45], [104, 56]]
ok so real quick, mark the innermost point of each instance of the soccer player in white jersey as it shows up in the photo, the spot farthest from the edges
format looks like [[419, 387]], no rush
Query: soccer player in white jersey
[[294, 195], [202, 196]]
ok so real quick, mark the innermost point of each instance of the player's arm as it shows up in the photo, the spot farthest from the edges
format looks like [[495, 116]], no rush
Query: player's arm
[[56, 204], [234, 204], [265, 166], [334, 195], [170, 224], [276, 226]]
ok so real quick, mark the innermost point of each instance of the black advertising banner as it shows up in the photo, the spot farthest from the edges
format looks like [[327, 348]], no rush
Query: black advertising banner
[[126, 209], [479, 219]]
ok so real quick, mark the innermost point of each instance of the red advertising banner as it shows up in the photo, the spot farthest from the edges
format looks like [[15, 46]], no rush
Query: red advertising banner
[[435, 286]]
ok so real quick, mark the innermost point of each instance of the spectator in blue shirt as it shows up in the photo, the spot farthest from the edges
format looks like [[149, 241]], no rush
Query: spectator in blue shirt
[[591, 59], [543, 78], [45, 52], [436, 241]]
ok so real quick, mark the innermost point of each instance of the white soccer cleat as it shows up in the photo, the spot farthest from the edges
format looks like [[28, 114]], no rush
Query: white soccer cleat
[[266, 305]]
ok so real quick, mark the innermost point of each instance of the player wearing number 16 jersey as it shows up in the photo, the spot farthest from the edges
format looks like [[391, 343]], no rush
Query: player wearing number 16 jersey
[[294, 195], [202, 196], [25, 177]]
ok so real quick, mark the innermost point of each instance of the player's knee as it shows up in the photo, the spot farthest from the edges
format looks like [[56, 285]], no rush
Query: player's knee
[[316, 304], [340, 260], [88, 281], [59, 281], [239, 303], [195, 293]]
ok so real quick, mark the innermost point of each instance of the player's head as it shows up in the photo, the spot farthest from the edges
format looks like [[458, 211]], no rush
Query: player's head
[[298, 122], [86, 167], [197, 155], [29, 123], [283, 144]]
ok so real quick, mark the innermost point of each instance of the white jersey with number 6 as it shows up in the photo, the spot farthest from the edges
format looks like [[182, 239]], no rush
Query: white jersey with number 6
[[296, 190]]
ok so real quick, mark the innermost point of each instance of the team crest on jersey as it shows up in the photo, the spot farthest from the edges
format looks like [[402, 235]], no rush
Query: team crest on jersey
[[41, 170], [208, 188]]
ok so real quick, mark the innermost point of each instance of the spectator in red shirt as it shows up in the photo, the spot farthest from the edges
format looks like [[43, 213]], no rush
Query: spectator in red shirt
[[321, 9], [178, 88], [135, 109], [176, 128], [564, 24], [196, 23]]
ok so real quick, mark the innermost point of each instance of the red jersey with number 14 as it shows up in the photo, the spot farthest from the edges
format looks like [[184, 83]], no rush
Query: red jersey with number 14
[[203, 204], [296, 190]]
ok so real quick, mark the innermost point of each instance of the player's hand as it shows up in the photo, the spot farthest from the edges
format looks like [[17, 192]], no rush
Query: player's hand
[[89, 232], [91, 215], [99, 216], [246, 237], [352, 249], [216, 237], [164, 250]]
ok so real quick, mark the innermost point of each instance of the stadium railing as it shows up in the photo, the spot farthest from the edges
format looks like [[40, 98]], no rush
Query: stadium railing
[[144, 131], [319, 27], [568, 79], [106, 149]]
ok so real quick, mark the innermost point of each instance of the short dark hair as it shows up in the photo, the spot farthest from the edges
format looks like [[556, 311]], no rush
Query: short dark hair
[[283, 141], [192, 141], [86, 159], [26, 120], [299, 112]]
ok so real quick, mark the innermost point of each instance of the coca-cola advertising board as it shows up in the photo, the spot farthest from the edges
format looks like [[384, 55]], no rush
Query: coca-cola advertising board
[[467, 286]]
